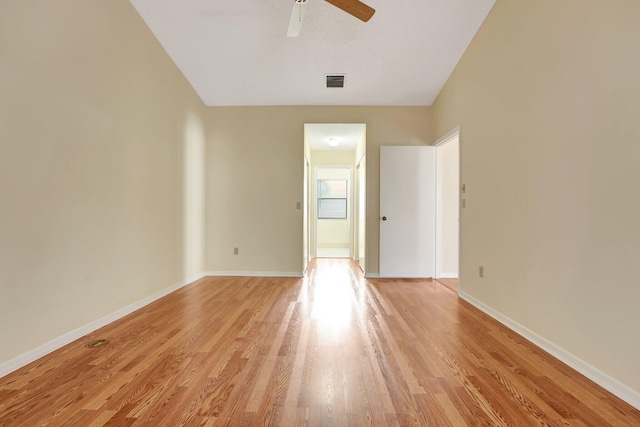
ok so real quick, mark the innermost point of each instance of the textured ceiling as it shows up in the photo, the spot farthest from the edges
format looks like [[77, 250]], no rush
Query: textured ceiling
[[236, 53]]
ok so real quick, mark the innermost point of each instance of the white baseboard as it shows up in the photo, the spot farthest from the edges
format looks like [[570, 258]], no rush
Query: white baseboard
[[372, 275], [255, 273], [448, 276], [624, 392], [46, 348]]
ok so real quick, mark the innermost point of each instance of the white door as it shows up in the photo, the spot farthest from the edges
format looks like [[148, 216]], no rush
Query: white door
[[407, 211]]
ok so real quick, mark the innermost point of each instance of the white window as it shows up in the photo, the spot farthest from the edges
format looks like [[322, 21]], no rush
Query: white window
[[332, 198]]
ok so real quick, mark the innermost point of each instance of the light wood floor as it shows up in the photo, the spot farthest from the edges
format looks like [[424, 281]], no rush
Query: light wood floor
[[331, 349]]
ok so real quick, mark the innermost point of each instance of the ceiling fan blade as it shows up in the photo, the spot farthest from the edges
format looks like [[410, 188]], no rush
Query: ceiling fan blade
[[297, 16], [355, 8]]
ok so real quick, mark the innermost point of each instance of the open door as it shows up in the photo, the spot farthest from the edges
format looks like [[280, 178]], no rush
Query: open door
[[407, 211]]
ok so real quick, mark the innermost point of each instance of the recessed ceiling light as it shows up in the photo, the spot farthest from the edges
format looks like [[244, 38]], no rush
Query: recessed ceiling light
[[333, 142]]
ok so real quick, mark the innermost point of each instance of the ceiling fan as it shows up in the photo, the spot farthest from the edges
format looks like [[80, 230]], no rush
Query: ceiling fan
[[353, 7]]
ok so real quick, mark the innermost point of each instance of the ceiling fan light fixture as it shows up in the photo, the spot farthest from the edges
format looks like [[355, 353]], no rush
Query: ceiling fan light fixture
[[297, 17], [354, 8]]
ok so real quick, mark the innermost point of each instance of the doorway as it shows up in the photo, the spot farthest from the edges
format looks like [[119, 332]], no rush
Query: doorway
[[333, 212], [419, 208], [334, 184], [448, 209]]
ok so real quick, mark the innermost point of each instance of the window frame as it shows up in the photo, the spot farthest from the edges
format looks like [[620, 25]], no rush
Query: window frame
[[345, 198]]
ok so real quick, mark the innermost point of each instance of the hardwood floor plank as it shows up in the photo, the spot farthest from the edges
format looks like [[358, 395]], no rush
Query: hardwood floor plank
[[452, 414], [330, 349]]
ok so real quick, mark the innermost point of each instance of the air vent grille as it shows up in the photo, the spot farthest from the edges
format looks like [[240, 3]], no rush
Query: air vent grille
[[335, 80], [96, 343]]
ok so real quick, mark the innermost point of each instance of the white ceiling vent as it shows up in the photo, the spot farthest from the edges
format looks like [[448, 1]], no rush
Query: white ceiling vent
[[335, 80]]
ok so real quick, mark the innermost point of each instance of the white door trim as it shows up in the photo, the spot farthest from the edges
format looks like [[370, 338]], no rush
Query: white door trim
[[454, 133]]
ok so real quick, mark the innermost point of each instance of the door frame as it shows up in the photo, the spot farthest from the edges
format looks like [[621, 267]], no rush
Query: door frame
[[455, 132], [360, 206], [313, 212], [306, 232]]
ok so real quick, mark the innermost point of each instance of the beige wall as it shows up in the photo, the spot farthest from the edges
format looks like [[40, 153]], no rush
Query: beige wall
[[547, 97], [332, 158], [257, 153], [93, 116]]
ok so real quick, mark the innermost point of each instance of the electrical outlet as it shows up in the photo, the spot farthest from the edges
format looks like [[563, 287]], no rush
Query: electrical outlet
[[481, 271], [463, 204], [298, 205], [235, 251]]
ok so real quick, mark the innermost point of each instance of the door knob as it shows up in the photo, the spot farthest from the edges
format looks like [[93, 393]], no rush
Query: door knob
[[384, 218]]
